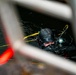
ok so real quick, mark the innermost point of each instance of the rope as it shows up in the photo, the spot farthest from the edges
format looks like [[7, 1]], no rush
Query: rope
[[24, 39]]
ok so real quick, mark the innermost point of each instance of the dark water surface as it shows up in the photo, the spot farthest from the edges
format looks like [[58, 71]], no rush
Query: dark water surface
[[32, 22]]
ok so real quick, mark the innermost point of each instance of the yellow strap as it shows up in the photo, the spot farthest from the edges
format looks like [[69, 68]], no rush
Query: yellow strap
[[30, 40], [64, 29], [25, 38], [31, 35]]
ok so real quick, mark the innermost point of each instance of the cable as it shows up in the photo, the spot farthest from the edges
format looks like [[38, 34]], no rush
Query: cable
[[24, 39], [64, 30], [31, 35]]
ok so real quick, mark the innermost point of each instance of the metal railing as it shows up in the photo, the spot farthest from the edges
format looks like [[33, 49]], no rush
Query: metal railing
[[14, 34]]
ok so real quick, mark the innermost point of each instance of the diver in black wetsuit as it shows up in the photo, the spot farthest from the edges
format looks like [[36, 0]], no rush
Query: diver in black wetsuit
[[61, 46], [46, 39]]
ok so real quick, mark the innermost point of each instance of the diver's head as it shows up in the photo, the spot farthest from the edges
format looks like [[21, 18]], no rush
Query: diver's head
[[46, 37]]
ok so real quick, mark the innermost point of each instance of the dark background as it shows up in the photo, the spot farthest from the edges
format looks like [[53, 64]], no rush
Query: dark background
[[32, 21]]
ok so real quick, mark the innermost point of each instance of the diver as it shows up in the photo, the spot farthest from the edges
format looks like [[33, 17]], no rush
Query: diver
[[61, 45], [55, 41], [46, 39]]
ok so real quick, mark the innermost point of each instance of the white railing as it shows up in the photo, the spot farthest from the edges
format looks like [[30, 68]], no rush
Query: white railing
[[13, 31]]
